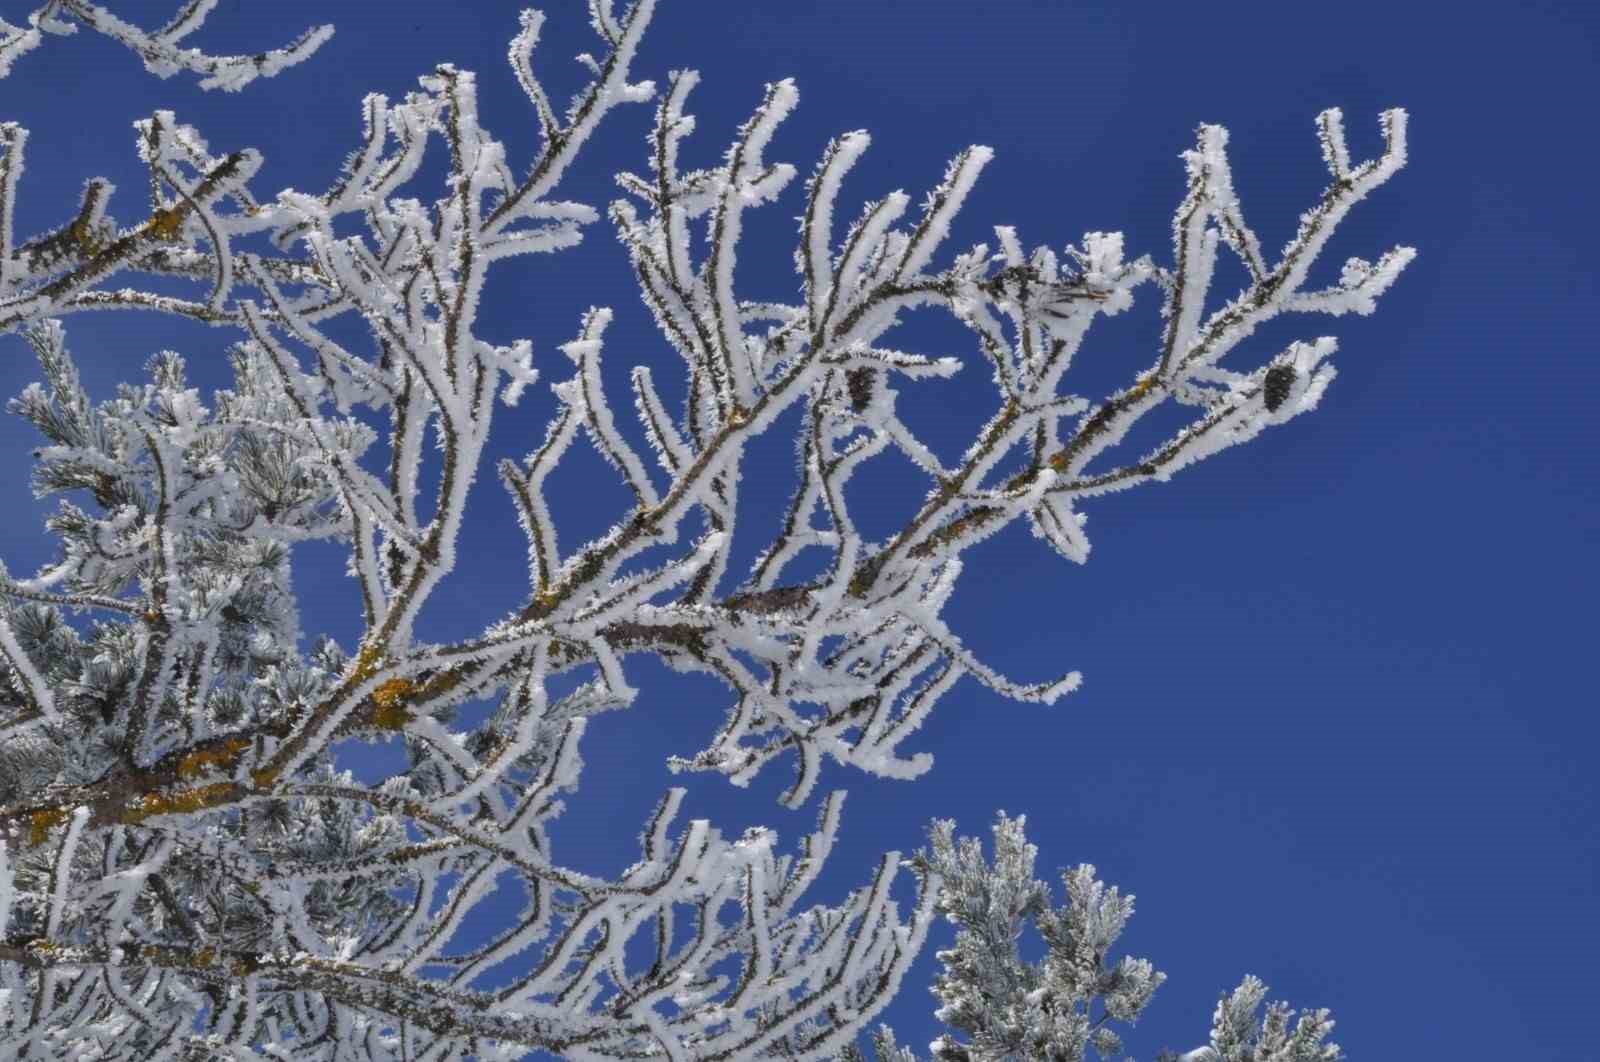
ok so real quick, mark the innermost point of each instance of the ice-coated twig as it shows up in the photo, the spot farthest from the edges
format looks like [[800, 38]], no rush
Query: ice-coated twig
[[159, 49], [183, 865]]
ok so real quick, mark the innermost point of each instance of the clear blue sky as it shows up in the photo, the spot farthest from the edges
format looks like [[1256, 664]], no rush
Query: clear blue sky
[[1337, 727]]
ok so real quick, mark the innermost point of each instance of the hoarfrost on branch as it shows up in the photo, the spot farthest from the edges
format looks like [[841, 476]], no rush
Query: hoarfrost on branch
[[1069, 1005], [184, 867]]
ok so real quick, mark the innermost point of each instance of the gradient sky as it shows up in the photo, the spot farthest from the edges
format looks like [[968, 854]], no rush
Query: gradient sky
[[1332, 730]]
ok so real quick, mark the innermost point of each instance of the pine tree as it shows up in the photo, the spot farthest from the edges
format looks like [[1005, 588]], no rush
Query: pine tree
[[1065, 1007], [187, 871]]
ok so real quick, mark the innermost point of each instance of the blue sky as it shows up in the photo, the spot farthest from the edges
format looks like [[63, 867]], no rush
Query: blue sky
[[1333, 728]]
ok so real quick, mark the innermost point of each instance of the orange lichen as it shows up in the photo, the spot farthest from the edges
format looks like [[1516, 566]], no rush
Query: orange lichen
[[41, 822], [183, 801], [366, 663], [1142, 388], [203, 958], [388, 709], [392, 717], [391, 692], [390, 697], [165, 224], [199, 761]]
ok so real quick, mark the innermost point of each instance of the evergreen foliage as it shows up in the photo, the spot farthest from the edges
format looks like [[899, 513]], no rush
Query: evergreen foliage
[[1066, 1007]]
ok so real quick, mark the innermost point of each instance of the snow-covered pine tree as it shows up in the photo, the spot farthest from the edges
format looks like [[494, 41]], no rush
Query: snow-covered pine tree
[[1065, 1007], [186, 872]]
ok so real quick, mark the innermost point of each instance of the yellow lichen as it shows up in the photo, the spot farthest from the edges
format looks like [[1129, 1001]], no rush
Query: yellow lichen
[[391, 692], [165, 224], [1142, 388], [264, 777], [197, 762], [183, 801], [41, 822], [391, 717], [390, 697], [366, 663]]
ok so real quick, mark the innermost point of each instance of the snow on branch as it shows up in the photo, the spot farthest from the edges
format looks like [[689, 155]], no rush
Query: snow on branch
[[159, 49], [184, 867]]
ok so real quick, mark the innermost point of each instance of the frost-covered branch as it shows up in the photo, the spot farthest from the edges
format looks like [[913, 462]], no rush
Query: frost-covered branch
[[159, 49], [185, 865]]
